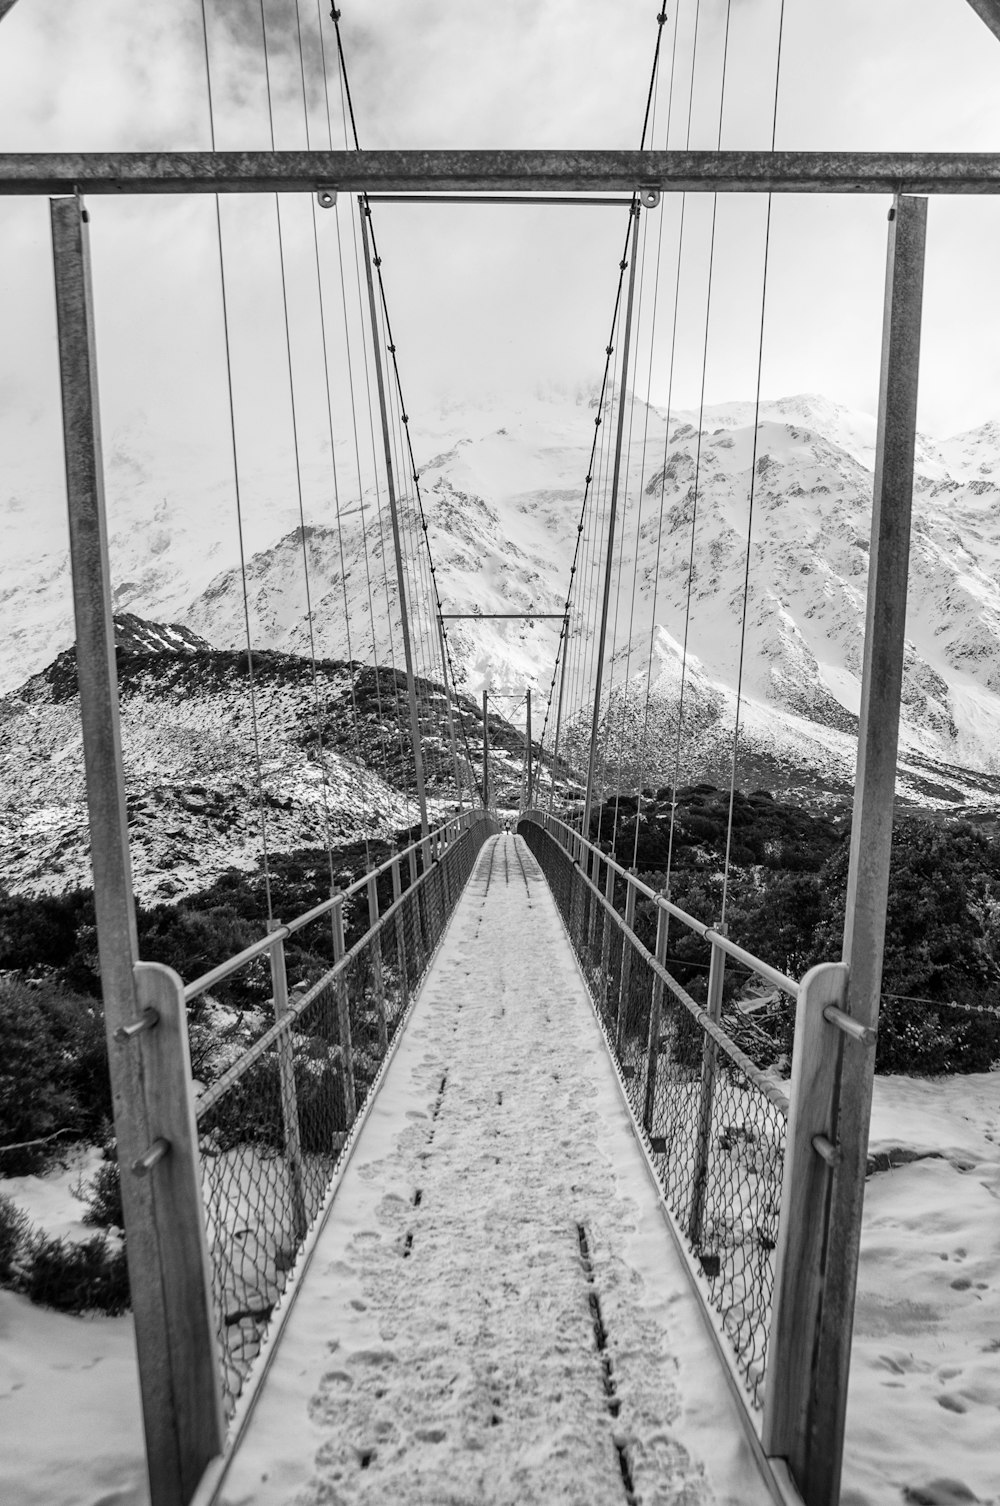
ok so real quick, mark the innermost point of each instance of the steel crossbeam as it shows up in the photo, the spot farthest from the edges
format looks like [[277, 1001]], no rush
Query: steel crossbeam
[[533, 172]]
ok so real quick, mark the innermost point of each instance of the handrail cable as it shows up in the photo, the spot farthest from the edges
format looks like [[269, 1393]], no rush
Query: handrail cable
[[251, 683], [351, 677], [447, 665], [697, 473], [320, 709], [753, 484], [562, 645], [621, 561], [644, 735]]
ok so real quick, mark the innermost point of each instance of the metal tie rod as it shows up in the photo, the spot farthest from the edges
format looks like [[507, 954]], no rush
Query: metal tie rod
[[530, 172]]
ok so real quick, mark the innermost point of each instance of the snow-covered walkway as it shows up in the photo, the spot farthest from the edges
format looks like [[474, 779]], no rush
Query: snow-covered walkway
[[494, 1312]]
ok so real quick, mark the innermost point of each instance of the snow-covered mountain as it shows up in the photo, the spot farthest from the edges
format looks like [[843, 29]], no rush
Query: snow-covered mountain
[[502, 488]]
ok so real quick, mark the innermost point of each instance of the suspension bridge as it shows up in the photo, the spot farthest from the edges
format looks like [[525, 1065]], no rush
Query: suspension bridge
[[493, 1200]]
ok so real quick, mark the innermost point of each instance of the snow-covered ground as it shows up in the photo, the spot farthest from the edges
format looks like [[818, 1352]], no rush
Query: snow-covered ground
[[925, 1386], [70, 1423]]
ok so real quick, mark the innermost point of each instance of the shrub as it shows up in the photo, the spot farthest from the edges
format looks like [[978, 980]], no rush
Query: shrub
[[14, 1229], [76, 1278], [103, 1196], [53, 1070]]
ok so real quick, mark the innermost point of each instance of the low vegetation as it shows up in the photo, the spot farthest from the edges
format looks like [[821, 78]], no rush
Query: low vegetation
[[785, 902]]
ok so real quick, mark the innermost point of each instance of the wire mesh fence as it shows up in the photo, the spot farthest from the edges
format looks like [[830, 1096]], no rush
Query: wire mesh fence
[[714, 1125], [273, 1128]]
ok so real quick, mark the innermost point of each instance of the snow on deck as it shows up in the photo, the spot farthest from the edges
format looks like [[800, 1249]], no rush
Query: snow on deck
[[495, 1226]]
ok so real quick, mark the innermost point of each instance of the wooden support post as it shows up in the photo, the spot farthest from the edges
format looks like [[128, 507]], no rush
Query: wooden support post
[[401, 961], [612, 524], [404, 616], [789, 1401], [529, 801], [706, 1097], [344, 1017], [609, 895], [377, 972], [286, 1078], [486, 755], [819, 1454], [178, 1369], [655, 1013], [623, 989], [188, 1372]]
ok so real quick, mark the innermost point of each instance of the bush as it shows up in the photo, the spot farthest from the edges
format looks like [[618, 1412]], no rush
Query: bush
[[76, 1278], [53, 1071], [103, 1196], [14, 1230]]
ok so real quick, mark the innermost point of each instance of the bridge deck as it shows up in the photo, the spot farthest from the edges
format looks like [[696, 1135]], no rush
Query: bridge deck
[[494, 1311]]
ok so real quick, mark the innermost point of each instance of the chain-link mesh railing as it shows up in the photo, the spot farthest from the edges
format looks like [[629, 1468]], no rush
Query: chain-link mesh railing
[[272, 1130], [713, 1123]]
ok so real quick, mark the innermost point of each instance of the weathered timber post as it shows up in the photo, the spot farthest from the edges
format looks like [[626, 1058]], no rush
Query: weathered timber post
[[286, 1079], [706, 1096], [609, 895], [655, 1015], [343, 995], [815, 1448], [805, 1191], [401, 960], [486, 757], [383, 1032], [168, 1268], [623, 990], [529, 801]]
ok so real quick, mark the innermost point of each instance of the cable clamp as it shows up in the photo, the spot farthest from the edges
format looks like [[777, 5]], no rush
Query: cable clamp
[[661, 18], [326, 198], [334, 14]]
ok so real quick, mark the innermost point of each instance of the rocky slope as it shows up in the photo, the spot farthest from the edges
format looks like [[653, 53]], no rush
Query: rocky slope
[[335, 761]]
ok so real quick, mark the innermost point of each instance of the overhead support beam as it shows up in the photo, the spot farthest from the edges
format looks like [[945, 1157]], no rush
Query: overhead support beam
[[986, 10], [503, 616], [463, 172]]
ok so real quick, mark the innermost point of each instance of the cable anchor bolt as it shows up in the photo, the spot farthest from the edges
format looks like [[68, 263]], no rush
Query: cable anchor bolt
[[326, 198], [649, 198]]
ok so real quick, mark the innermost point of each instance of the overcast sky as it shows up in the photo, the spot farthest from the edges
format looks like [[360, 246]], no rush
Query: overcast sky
[[491, 301]]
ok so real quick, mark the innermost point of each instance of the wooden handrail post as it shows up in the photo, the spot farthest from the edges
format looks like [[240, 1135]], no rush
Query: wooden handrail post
[[609, 895], [376, 944], [623, 987], [791, 1415], [871, 833], [174, 1368], [286, 1078], [706, 1096], [344, 1017], [187, 1371], [655, 1014], [401, 960]]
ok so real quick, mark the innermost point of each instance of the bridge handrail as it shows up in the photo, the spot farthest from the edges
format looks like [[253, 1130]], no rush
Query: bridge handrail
[[431, 845], [572, 839]]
